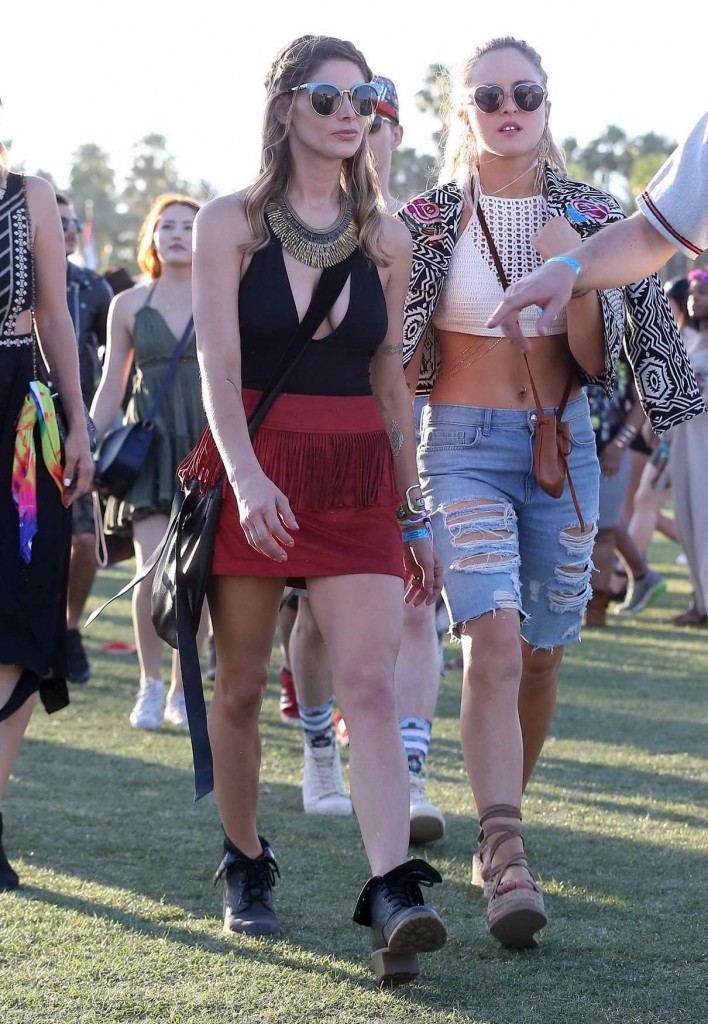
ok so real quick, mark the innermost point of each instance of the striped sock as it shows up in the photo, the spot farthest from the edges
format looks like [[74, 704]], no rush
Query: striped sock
[[415, 733], [317, 723]]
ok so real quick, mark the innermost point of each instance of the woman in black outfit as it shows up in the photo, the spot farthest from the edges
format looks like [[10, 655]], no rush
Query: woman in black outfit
[[314, 497], [34, 565]]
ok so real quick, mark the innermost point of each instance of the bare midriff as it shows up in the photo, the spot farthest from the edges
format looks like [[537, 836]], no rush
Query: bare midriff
[[490, 373]]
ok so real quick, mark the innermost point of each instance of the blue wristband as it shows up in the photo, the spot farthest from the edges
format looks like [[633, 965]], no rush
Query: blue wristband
[[570, 261], [409, 535]]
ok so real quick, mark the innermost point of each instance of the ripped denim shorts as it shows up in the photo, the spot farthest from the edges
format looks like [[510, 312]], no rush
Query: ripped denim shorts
[[504, 542]]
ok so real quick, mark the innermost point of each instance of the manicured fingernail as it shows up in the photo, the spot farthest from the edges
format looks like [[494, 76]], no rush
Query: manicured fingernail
[[67, 481]]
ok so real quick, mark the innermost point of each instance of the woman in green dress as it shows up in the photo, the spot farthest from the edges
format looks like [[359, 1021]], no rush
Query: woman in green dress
[[145, 325]]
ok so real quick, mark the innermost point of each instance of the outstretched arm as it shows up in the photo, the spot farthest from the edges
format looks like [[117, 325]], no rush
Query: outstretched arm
[[617, 255]]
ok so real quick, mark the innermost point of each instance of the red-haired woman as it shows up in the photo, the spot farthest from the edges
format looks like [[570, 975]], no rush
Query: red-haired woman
[[145, 324]]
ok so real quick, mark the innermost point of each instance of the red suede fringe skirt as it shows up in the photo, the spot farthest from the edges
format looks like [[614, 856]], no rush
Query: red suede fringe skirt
[[331, 457]]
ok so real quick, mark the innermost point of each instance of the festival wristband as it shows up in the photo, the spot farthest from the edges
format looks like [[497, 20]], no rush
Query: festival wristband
[[569, 260], [409, 535]]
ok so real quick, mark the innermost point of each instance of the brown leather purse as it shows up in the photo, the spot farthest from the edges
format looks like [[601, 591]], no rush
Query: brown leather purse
[[552, 443]]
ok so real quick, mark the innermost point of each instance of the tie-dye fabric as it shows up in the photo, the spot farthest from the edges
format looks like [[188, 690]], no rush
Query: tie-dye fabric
[[38, 406]]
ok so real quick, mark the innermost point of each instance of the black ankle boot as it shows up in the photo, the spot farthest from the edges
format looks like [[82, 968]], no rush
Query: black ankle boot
[[391, 905], [8, 876], [248, 884]]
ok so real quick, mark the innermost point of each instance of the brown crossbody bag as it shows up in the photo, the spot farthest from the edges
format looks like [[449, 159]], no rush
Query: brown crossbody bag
[[552, 443]]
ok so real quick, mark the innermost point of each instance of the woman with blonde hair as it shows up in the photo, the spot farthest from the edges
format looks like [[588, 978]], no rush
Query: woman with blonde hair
[[517, 558], [145, 325], [40, 477], [313, 498]]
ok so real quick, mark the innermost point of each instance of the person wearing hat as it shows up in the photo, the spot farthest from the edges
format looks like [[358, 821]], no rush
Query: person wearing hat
[[386, 135]]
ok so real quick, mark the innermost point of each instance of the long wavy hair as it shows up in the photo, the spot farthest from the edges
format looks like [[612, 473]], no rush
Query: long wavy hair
[[148, 260], [296, 64], [460, 154]]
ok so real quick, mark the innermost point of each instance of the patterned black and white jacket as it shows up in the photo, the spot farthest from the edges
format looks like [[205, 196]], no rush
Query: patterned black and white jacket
[[637, 315]]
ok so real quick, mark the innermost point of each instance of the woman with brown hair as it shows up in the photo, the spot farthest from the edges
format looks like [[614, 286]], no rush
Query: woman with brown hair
[[39, 477], [314, 496], [145, 325], [517, 557]]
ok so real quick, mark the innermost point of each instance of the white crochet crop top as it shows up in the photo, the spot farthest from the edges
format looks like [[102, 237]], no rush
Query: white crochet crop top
[[472, 288]]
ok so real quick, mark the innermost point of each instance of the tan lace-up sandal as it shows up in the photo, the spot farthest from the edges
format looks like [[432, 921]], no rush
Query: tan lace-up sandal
[[477, 873], [514, 915]]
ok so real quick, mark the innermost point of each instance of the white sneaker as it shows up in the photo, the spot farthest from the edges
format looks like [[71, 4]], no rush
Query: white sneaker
[[427, 820], [147, 713], [323, 789], [175, 710]]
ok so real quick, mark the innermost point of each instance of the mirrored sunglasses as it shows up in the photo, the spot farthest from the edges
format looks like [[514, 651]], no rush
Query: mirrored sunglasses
[[527, 97], [326, 98]]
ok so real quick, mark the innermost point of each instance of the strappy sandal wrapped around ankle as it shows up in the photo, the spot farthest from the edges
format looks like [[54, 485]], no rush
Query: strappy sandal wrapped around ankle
[[514, 915]]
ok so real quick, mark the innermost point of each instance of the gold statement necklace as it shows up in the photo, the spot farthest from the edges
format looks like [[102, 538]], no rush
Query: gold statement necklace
[[315, 247]]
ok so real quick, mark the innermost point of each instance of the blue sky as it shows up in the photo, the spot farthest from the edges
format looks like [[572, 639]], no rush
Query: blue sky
[[83, 71]]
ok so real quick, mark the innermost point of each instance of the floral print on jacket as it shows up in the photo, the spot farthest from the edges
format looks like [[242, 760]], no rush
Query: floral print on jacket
[[637, 317]]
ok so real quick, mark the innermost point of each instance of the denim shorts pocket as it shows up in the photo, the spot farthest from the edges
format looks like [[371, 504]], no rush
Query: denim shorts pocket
[[581, 432], [449, 438]]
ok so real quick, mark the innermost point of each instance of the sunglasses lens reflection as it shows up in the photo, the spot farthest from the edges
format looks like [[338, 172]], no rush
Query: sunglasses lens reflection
[[326, 99], [528, 97], [364, 100], [489, 98]]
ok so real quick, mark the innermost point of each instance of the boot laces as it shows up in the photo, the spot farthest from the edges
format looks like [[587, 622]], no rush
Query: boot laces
[[259, 879]]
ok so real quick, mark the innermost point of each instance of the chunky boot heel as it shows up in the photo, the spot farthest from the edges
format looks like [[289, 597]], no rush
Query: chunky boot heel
[[248, 895], [514, 915], [392, 906], [394, 969]]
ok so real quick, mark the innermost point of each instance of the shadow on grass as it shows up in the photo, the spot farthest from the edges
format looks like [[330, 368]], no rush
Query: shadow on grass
[[123, 823], [588, 783], [663, 735], [244, 948]]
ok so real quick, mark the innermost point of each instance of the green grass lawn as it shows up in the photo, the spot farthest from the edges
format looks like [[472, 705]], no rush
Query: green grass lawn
[[117, 919]]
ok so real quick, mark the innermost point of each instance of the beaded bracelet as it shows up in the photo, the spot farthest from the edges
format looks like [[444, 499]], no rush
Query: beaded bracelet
[[625, 435], [406, 518], [413, 521]]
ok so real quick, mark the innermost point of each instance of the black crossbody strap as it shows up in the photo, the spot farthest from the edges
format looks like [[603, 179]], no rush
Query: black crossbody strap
[[330, 284], [539, 408], [328, 288], [170, 372]]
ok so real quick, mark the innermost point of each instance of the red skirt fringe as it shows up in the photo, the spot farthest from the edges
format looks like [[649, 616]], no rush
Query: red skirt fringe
[[332, 459]]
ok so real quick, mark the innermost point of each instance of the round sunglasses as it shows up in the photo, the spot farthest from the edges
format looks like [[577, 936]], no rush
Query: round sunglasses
[[490, 98], [326, 98]]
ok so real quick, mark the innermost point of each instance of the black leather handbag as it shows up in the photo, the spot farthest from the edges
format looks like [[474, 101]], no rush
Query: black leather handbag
[[122, 452]]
